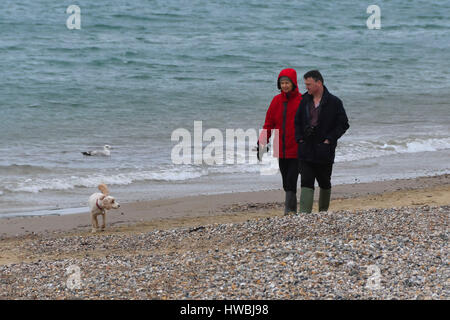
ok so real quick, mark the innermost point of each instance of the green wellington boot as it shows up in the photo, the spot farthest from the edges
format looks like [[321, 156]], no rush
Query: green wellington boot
[[324, 199], [306, 200]]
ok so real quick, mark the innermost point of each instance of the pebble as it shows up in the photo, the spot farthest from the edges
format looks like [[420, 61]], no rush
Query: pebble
[[398, 253]]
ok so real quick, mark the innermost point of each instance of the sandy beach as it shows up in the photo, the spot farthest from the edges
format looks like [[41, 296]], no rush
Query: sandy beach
[[142, 229], [233, 207]]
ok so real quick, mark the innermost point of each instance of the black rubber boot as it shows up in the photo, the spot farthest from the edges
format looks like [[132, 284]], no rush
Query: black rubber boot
[[290, 204]]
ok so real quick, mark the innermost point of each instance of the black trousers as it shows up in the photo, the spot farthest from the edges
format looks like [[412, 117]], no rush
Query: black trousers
[[315, 171], [289, 173]]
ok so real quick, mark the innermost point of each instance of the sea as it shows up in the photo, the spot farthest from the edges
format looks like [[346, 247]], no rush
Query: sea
[[133, 73]]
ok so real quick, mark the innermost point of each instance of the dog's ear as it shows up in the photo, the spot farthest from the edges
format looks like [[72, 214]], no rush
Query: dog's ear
[[106, 203], [102, 197], [103, 188]]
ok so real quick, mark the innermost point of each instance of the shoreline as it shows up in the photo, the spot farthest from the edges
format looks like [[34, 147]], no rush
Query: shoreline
[[55, 201], [165, 212], [241, 246]]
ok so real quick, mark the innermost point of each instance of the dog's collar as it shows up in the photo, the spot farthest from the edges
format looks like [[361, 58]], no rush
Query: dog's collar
[[96, 202]]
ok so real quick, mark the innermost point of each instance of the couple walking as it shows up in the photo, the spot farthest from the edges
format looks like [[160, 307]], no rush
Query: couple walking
[[309, 126]]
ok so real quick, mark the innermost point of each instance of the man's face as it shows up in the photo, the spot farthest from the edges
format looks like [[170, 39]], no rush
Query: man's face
[[312, 85], [286, 85]]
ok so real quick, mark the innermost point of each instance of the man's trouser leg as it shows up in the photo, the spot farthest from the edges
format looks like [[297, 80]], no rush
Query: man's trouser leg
[[307, 186], [289, 174], [323, 176]]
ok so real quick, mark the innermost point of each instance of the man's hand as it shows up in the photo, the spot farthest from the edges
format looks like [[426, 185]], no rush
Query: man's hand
[[327, 141]]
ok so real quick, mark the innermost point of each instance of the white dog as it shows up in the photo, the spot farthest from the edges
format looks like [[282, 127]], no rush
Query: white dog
[[99, 203]]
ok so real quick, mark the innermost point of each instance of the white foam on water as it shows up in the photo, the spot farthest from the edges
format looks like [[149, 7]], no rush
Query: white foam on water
[[35, 185], [38, 213], [346, 151], [360, 150]]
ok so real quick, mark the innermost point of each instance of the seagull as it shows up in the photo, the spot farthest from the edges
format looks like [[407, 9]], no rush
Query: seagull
[[105, 152]]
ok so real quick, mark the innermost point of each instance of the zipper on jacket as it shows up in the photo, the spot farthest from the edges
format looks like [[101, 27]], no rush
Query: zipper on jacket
[[284, 129]]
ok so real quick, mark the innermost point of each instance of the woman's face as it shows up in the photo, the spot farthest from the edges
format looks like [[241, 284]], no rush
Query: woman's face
[[286, 85]]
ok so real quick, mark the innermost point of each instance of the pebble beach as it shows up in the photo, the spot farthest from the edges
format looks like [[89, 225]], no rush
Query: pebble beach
[[396, 253], [177, 94]]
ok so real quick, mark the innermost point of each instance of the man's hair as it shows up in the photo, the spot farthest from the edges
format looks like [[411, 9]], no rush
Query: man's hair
[[315, 74]]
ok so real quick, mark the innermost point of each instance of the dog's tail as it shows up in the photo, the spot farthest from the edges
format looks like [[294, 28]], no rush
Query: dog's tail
[[103, 188]]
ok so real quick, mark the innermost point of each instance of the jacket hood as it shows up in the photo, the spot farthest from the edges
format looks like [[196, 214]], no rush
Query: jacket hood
[[292, 75]]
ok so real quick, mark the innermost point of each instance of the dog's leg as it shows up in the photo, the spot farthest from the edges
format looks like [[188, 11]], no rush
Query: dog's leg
[[93, 218], [95, 223], [103, 220]]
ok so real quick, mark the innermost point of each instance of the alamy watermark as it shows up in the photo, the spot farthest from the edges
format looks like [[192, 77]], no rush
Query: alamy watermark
[[374, 280], [374, 21], [236, 146], [74, 20], [74, 280]]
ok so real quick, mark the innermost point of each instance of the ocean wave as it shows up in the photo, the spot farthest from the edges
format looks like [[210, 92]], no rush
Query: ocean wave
[[361, 150], [36, 185], [106, 26], [40, 178], [119, 61], [13, 47], [171, 174], [14, 169], [131, 17]]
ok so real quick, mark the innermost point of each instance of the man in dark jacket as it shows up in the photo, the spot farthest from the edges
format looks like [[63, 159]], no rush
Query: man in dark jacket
[[319, 122]]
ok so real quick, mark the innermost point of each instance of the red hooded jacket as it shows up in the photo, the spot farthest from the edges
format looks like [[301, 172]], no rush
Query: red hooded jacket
[[281, 115]]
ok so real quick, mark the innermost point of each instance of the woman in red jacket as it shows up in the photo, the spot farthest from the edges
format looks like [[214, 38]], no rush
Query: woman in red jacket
[[280, 116]]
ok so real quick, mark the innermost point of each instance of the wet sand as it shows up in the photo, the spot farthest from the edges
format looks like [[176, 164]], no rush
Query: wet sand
[[232, 207]]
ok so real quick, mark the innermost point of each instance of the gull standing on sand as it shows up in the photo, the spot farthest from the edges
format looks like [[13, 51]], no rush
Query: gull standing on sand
[[105, 152]]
